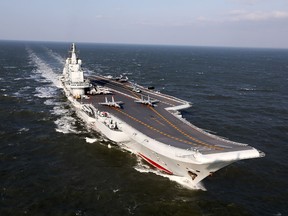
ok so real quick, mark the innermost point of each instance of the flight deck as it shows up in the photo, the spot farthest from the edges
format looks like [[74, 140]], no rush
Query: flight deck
[[158, 120]]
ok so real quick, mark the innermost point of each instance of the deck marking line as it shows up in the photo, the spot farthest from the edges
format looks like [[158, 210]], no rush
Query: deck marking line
[[165, 134], [182, 132]]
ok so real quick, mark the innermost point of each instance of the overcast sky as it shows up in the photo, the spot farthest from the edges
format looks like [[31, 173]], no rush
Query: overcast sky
[[236, 23]]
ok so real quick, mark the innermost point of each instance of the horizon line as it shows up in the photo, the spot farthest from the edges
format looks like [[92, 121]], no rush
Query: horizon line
[[142, 44]]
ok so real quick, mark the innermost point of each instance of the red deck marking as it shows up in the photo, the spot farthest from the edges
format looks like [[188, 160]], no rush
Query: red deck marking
[[155, 164]]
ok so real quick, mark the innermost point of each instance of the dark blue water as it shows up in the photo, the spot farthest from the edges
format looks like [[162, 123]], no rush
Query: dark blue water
[[48, 167]]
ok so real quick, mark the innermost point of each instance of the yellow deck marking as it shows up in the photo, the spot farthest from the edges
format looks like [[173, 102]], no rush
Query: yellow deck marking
[[182, 132], [165, 134]]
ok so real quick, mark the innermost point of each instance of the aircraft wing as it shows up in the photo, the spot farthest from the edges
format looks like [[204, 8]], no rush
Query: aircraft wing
[[112, 103]]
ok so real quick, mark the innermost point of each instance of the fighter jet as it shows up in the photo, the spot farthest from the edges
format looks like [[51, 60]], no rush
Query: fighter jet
[[135, 89], [147, 101], [112, 103], [97, 90]]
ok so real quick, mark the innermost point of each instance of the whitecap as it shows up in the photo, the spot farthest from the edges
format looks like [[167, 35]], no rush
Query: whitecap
[[45, 92], [10, 67], [116, 190], [36, 77], [248, 89], [49, 102], [21, 130], [59, 110], [16, 79], [26, 88], [90, 140], [66, 124]]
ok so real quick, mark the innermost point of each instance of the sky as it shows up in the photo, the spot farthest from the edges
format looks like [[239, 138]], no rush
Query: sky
[[232, 23]]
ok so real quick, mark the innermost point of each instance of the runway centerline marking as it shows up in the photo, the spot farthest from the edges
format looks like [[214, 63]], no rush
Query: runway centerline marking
[[165, 134], [182, 132]]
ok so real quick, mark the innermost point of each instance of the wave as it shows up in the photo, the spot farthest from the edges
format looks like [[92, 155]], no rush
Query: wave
[[23, 92], [254, 89], [10, 67], [22, 130], [219, 97], [18, 78], [45, 91], [65, 126], [65, 122], [51, 102], [247, 89]]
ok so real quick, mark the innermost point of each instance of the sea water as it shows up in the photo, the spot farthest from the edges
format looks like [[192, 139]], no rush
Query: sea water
[[53, 164]]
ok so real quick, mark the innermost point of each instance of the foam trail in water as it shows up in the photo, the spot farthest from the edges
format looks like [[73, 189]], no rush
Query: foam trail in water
[[49, 89], [66, 123], [56, 56], [45, 92], [44, 74], [44, 69], [52, 102]]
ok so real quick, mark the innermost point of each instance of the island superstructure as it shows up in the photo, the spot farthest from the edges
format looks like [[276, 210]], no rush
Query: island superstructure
[[73, 76], [149, 124]]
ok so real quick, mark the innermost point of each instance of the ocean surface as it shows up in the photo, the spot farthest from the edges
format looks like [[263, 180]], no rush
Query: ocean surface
[[52, 164]]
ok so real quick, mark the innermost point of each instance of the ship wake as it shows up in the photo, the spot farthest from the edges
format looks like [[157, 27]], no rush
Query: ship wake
[[50, 90]]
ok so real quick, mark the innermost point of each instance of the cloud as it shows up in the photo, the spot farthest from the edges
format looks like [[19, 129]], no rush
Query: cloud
[[241, 15]]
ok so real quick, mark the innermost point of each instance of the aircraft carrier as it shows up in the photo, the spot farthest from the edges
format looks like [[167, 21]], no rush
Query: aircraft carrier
[[149, 124]]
